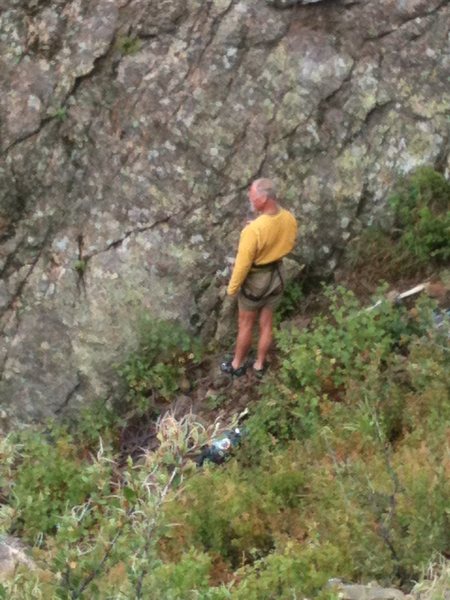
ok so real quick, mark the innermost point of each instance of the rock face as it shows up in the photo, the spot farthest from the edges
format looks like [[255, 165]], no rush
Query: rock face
[[373, 591], [130, 130], [12, 554], [289, 3], [370, 592]]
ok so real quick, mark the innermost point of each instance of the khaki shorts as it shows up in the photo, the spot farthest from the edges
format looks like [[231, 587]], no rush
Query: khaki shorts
[[258, 281]]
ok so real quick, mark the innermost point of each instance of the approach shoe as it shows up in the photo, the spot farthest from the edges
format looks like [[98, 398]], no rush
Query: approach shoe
[[259, 373], [227, 367]]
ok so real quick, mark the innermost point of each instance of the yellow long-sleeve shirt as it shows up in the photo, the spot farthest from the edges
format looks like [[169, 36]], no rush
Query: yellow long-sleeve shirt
[[266, 239]]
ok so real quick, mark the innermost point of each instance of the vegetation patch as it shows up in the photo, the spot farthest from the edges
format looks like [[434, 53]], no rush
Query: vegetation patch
[[161, 365], [129, 45], [422, 210], [419, 240]]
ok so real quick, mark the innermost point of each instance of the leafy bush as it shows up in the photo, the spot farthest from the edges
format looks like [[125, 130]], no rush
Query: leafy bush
[[292, 295], [283, 415], [291, 572], [96, 420], [420, 238], [165, 354], [96, 528], [47, 480], [422, 209], [177, 581], [339, 346], [325, 364]]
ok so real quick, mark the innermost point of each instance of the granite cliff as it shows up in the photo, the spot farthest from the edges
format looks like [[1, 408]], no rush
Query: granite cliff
[[129, 133]]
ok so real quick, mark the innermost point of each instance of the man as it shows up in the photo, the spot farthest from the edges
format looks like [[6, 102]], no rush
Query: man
[[257, 276]]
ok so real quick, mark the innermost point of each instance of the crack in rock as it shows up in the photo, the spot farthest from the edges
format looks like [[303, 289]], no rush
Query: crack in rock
[[70, 394]]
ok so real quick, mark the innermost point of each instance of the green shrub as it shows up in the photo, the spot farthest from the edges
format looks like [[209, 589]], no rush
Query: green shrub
[[329, 363], [290, 302], [282, 415], [188, 578], [238, 513], [49, 478], [291, 572], [94, 421], [165, 355], [96, 528], [422, 210], [338, 347], [80, 267], [420, 205], [422, 519]]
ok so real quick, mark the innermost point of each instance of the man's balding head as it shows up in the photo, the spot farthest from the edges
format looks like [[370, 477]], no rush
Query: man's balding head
[[265, 188], [263, 197]]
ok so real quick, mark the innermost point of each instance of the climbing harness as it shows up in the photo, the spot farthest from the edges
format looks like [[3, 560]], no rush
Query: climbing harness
[[273, 267]]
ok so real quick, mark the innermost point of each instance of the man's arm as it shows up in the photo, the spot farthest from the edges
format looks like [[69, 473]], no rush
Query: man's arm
[[244, 260]]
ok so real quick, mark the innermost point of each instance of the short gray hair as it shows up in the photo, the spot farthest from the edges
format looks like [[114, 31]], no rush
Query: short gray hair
[[266, 188]]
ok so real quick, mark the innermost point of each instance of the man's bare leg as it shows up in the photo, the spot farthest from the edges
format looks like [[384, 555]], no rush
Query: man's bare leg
[[265, 336], [246, 320]]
